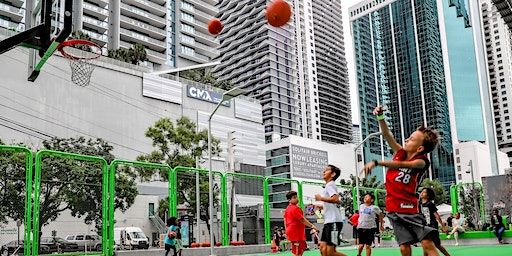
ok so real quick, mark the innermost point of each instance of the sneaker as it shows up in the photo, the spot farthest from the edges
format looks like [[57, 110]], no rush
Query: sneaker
[[456, 244], [378, 245], [448, 236]]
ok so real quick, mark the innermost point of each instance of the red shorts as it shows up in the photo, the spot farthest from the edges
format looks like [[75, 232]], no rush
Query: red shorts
[[298, 247]]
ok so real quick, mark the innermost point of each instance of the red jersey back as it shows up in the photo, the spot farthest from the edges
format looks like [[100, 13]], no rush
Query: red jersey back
[[402, 183], [295, 230]]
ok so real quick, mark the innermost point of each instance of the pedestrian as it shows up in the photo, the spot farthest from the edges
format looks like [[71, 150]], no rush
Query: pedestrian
[[354, 220], [498, 226], [457, 228], [429, 210], [170, 238]]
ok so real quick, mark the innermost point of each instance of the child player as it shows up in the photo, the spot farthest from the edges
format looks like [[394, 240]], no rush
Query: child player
[[404, 173], [429, 210], [332, 213], [367, 225], [295, 224]]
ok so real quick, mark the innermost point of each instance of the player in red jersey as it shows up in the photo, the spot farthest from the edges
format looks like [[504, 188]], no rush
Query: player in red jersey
[[295, 224], [403, 176]]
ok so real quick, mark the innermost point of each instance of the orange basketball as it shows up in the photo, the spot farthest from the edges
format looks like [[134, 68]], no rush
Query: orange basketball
[[278, 13], [214, 26]]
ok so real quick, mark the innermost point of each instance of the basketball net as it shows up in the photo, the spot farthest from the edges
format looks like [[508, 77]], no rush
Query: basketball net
[[81, 55]]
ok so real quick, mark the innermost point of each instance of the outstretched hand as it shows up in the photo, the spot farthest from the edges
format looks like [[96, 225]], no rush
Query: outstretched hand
[[378, 110], [367, 169]]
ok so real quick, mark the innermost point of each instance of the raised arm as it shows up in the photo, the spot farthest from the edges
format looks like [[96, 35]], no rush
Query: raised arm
[[386, 133]]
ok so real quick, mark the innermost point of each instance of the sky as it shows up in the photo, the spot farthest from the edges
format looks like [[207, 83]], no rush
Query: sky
[[349, 51]]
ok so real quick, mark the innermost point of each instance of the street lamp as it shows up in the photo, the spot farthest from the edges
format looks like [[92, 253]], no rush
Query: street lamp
[[225, 97], [371, 135]]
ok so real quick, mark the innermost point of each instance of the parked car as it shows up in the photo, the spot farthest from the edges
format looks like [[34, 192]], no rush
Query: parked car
[[58, 244], [11, 248], [93, 242], [130, 238]]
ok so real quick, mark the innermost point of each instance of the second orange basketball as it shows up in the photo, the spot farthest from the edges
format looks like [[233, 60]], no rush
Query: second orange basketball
[[278, 13]]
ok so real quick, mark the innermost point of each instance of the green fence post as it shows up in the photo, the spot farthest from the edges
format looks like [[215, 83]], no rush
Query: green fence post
[[299, 194], [37, 193], [224, 211], [266, 211], [112, 176], [355, 203], [454, 197], [173, 192], [27, 220]]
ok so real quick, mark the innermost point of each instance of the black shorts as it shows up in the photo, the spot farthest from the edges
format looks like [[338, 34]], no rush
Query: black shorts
[[327, 234], [354, 232], [366, 235], [411, 228], [169, 247]]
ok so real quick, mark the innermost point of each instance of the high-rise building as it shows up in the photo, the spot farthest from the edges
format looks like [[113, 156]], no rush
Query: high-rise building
[[322, 71], [261, 59], [298, 71], [174, 32], [504, 7], [498, 42], [418, 59]]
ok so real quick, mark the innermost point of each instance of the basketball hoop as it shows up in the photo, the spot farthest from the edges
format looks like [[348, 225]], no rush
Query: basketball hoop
[[81, 54]]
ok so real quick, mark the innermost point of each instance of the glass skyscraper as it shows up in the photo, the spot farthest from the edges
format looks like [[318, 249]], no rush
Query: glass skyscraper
[[411, 57]]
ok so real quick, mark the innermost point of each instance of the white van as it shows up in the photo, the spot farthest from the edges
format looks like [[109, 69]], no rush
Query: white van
[[130, 238]]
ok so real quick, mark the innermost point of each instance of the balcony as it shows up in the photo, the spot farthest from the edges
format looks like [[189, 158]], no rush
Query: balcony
[[153, 8], [199, 15], [155, 32], [101, 3], [14, 13], [17, 3], [205, 39], [206, 50], [96, 11], [145, 40], [95, 24], [193, 57], [137, 13], [100, 39], [11, 25], [204, 7]]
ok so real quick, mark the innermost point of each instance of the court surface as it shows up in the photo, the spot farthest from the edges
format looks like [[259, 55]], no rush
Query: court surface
[[481, 250]]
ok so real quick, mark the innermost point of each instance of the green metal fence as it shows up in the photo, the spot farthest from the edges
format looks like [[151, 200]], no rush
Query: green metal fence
[[27, 218], [37, 193], [108, 185]]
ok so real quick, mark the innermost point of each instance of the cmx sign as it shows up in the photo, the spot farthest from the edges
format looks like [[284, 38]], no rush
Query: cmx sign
[[206, 95]]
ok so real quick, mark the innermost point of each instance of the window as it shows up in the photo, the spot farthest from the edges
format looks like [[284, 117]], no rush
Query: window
[[187, 28], [187, 50], [459, 176], [151, 208], [188, 39], [79, 237], [187, 17]]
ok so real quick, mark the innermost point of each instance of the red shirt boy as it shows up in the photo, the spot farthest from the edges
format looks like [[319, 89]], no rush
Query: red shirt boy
[[295, 224]]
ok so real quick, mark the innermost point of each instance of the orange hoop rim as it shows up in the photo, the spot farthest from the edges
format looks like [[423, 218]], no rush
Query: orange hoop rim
[[75, 42]]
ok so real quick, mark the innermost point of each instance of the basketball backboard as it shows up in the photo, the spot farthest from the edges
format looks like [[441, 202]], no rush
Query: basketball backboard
[[37, 31]]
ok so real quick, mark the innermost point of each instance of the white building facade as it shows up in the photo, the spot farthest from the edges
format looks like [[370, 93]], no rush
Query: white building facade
[[472, 161]]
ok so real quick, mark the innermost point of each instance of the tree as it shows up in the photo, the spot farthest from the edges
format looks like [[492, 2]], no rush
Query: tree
[[468, 196], [65, 184], [179, 144], [366, 182], [438, 189], [201, 76], [135, 55]]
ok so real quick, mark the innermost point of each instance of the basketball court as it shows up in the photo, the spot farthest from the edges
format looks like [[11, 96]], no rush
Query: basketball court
[[494, 250]]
